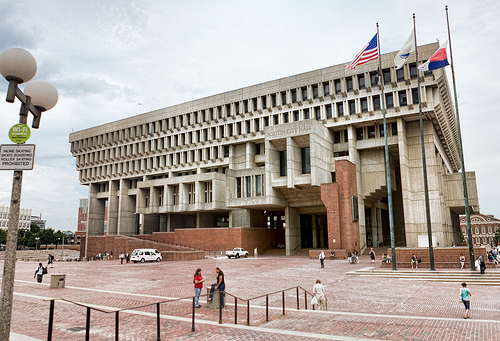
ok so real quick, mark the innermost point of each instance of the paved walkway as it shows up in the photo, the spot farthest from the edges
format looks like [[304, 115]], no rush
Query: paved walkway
[[359, 307]]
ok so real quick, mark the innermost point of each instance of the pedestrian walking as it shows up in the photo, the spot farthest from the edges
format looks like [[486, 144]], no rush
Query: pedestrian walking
[[372, 255], [122, 257], [482, 264], [50, 260], [127, 257], [198, 285], [39, 272], [320, 295], [322, 259], [465, 295], [255, 254]]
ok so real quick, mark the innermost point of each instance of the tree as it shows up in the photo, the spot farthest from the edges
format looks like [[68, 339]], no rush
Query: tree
[[497, 236], [3, 236], [60, 237], [47, 236], [34, 228]]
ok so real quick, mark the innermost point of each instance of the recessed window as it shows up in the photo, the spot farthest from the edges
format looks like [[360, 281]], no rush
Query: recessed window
[[400, 74], [315, 91], [283, 168], [402, 98], [317, 113], [414, 95], [352, 108], [304, 93], [340, 109], [370, 130], [413, 71], [349, 83], [306, 160], [283, 97], [361, 81], [364, 104], [294, 96], [374, 78], [376, 102], [389, 100], [359, 134], [326, 88], [329, 113], [295, 116], [285, 117], [306, 114], [387, 76], [338, 86]]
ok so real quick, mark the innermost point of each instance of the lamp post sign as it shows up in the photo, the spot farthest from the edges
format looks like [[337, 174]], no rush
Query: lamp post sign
[[17, 156], [19, 133]]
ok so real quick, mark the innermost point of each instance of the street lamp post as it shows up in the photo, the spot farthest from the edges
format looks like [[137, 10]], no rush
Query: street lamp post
[[36, 243], [18, 66]]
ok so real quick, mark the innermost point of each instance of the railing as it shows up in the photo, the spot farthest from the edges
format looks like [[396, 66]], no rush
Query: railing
[[116, 312]]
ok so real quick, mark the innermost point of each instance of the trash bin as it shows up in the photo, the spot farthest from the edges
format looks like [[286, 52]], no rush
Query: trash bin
[[57, 281]]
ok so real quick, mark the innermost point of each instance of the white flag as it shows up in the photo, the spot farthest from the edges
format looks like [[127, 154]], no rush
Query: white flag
[[405, 51]]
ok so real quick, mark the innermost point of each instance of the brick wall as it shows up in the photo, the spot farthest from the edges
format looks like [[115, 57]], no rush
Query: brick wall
[[444, 257]]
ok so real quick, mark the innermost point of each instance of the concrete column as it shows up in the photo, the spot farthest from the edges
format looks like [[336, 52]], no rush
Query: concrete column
[[113, 203], [95, 221], [163, 223], [127, 219], [374, 220], [315, 232], [292, 230], [239, 218], [380, 235], [197, 220], [169, 223]]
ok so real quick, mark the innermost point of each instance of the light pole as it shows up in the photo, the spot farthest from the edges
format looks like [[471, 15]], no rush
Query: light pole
[[36, 243], [58, 240], [18, 66]]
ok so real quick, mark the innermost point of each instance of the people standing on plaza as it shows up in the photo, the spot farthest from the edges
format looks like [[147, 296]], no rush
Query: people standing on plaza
[[372, 255], [319, 293], [414, 261], [349, 256], [255, 254], [322, 259], [50, 260], [482, 264], [39, 272], [462, 260], [355, 255], [220, 284], [127, 257], [198, 285], [122, 257], [465, 295]]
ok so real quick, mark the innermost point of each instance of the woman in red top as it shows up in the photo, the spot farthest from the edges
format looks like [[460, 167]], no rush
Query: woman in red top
[[198, 285]]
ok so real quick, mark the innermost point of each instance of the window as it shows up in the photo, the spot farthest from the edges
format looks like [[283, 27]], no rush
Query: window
[[248, 186], [276, 120], [283, 163], [386, 75], [389, 100], [304, 93], [326, 88], [254, 104], [306, 114], [402, 98], [315, 91], [352, 108], [329, 113], [226, 151], [175, 195], [294, 96], [340, 109], [191, 193], [413, 71], [238, 187], [361, 81], [295, 116], [394, 129], [414, 95], [348, 81], [317, 113], [374, 78], [341, 153], [258, 185], [283, 97], [273, 100], [338, 87], [371, 132], [364, 104], [359, 133], [336, 137], [208, 192], [285, 117], [306, 160], [264, 102], [266, 121], [400, 74]]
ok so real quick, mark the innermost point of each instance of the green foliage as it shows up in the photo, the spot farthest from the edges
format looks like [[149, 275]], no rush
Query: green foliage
[[34, 228], [3, 236], [497, 236]]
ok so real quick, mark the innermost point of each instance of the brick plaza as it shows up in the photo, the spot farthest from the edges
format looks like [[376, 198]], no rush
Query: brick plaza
[[359, 307]]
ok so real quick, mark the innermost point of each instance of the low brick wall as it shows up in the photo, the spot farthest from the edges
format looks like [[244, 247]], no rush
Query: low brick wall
[[182, 255], [444, 257], [339, 253]]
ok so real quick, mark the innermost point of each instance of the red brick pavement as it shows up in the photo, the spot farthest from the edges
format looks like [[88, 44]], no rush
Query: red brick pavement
[[359, 308]]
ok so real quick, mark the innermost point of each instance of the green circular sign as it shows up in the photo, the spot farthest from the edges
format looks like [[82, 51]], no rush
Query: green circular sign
[[19, 133]]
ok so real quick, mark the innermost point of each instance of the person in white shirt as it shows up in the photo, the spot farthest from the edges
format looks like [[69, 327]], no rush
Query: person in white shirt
[[39, 272], [319, 293], [322, 258]]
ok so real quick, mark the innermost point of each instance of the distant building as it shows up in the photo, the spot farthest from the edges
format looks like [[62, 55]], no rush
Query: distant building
[[39, 221], [483, 228], [24, 217], [83, 211]]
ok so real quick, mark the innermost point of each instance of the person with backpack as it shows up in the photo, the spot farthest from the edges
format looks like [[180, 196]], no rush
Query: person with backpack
[[39, 272]]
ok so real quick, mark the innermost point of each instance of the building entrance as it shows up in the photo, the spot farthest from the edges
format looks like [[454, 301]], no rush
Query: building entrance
[[313, 231]]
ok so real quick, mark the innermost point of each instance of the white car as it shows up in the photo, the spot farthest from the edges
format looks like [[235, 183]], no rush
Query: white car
[[145, 255]]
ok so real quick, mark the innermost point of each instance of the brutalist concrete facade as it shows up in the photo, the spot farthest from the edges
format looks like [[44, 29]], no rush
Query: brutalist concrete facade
[[302, 154]]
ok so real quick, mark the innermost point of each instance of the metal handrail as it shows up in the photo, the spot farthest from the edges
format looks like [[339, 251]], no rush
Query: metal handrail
[[90, 307]]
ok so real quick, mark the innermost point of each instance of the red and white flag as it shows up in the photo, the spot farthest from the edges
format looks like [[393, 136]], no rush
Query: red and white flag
[[369, 52]]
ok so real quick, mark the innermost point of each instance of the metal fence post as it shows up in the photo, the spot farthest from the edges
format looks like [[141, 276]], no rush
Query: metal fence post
[[267, 308], [192, 326], [305, 299], [235, 310], [51, 320], [283, 299], [117, 323], [87, 326], [158, 338], [298, 304], [248, 312]]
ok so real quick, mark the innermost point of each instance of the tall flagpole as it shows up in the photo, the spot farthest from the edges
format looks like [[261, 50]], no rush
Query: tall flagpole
[[387, 169], [424, 163], [462, 165]]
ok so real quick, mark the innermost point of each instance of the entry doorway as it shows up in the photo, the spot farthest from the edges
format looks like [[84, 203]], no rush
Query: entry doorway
[[313, 231]]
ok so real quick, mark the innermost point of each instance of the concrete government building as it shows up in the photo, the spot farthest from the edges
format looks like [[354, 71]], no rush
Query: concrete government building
[[297, 162]]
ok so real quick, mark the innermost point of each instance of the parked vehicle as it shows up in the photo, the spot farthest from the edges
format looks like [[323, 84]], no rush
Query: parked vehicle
[[145, 255], [237, 252]]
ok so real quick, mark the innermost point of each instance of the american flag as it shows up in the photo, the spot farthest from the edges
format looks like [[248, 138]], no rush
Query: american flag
[[369, 52]]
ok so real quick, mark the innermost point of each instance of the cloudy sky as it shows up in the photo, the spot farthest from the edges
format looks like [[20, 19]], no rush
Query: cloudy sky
[[115, 59]]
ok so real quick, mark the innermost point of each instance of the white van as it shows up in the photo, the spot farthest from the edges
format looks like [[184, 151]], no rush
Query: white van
[[145, 255]]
